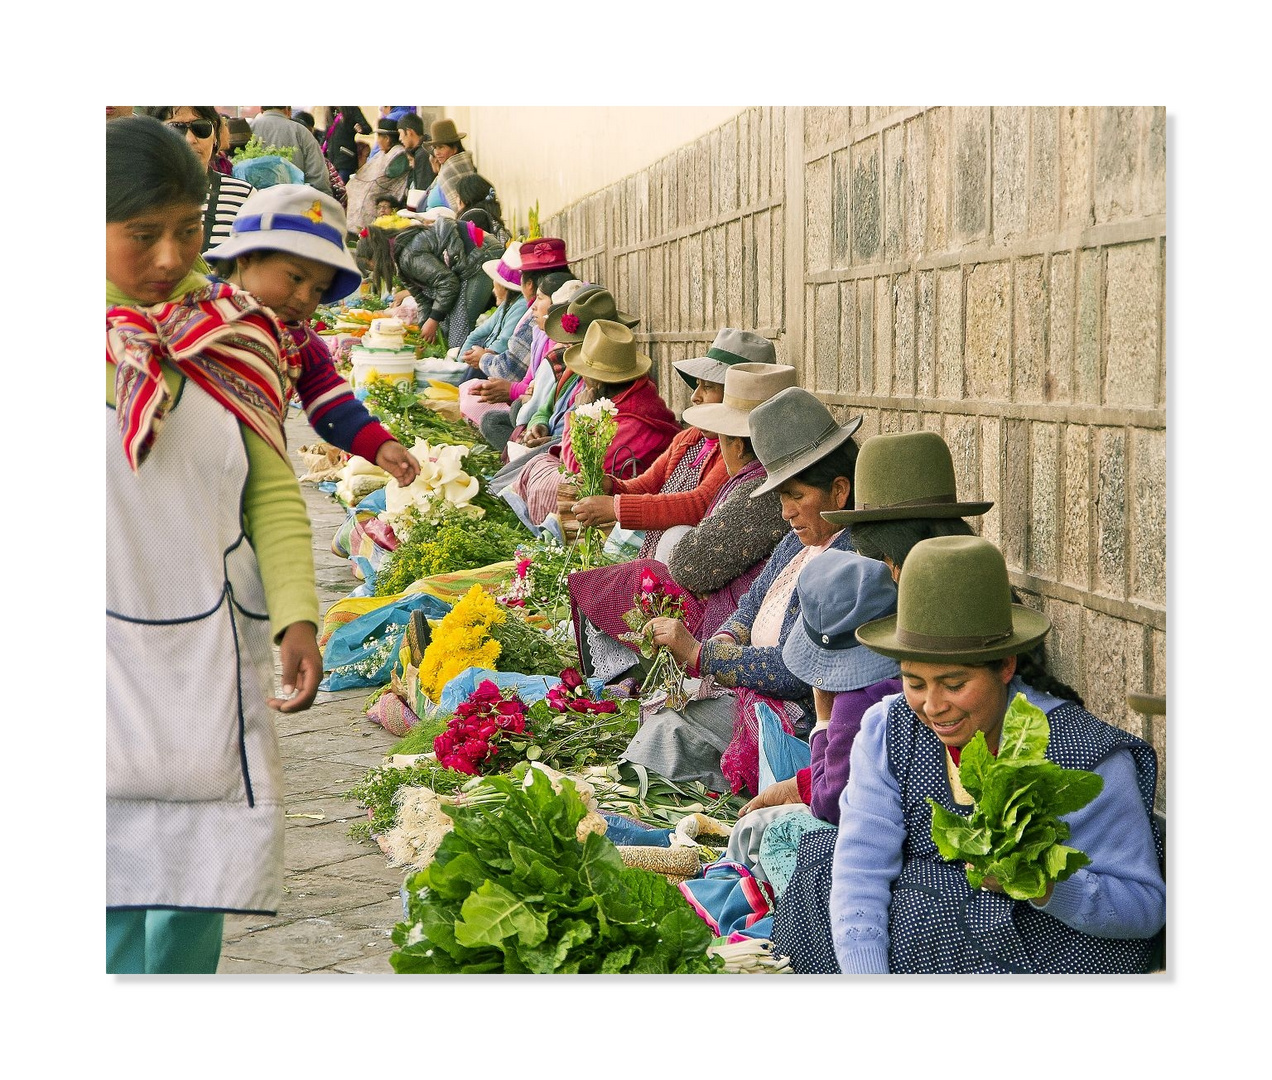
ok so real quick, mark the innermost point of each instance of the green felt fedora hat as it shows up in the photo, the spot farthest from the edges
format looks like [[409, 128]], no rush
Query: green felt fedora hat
[[567, 324], [731, 346], [905, 475], [954, 606]]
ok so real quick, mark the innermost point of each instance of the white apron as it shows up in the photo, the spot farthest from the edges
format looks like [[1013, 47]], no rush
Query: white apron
[[194, 815]]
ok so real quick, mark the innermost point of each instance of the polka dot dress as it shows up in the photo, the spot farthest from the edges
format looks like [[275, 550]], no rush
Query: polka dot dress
[[937, 923]]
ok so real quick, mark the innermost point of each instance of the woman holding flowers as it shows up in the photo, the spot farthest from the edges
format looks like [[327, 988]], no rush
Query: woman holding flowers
[[897, 905], [810, 461], [609, 367], [208, 556]]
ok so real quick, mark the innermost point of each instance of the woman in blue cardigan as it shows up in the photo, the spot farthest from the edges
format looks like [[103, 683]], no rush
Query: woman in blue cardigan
[[809, 459], [895, 904]]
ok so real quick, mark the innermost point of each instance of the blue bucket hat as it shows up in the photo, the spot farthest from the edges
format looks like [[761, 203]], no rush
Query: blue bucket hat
[[299, 220], [838, 592]]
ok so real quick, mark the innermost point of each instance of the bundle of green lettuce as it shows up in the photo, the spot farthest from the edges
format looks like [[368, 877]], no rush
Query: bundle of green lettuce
[[1014, 833], [512, 888]]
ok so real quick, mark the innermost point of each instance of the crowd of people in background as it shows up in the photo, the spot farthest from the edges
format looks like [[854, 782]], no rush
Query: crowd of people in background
[[838, 585]]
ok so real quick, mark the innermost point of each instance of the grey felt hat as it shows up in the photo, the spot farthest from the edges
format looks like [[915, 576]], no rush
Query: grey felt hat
[[731, 346], [838, 592], [792, 431], [954, 606], [905, 475]]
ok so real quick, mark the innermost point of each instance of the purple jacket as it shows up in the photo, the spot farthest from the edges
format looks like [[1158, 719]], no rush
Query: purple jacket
[[823, 782]]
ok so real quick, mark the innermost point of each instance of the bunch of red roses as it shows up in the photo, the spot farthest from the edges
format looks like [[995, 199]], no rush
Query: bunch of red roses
[[477, 738], [657, 598], [571, 695]]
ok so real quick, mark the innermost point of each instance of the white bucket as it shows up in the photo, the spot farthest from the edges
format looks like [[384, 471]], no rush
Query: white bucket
[[395, 368]]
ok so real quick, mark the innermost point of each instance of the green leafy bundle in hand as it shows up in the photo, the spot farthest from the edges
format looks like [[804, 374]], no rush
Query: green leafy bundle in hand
[[513, 889], [1014, 833]]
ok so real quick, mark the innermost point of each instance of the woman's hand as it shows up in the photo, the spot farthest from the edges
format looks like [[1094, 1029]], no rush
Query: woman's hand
[[302, 668], [778, 794], [428, 331], [493, 391], [535, 436], [672, 633], [396, 460], [594, 510], [473, 357]]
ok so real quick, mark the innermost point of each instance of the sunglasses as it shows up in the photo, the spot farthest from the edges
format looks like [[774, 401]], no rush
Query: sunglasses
[[202, 128]]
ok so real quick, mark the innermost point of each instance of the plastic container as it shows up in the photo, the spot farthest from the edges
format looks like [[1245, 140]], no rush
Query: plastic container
[[396, 367]]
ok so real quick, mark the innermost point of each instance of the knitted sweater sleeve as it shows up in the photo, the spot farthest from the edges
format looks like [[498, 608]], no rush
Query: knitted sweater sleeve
[[334, 413], [644, 506], [736, 535], [277, 524], [868, 851]]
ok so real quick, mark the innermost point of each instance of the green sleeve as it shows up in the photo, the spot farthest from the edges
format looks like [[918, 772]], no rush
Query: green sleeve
[[276, 522]]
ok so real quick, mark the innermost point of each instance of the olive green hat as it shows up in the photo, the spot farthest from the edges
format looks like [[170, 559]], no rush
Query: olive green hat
[[905, 475], [567, 323], [954, 606]]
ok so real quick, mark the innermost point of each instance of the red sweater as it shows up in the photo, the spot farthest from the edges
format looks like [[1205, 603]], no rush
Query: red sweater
[[643, 504]]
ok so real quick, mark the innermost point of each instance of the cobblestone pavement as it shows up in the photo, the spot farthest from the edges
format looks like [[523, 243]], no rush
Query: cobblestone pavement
[[340, 899]]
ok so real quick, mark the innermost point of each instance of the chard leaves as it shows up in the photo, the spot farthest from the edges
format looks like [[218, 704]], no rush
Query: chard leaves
[[1014, 832]]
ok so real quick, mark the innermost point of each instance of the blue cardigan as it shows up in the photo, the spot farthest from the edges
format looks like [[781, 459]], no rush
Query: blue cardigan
[[494, 333], [737, 663]]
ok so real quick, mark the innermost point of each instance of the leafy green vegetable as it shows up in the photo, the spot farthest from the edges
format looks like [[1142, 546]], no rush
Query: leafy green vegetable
[[1014, 832], [455, 541], [513, 889]]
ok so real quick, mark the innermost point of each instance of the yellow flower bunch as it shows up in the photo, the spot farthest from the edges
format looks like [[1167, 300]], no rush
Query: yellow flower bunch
[[464, 638]]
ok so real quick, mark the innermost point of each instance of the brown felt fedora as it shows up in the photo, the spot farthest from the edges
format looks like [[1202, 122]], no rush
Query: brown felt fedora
[[954, 606], [791, 431], [608, 354], [905, 475], [568, 323], [441, 132]]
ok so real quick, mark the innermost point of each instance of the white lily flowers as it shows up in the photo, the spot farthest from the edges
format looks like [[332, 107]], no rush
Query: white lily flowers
[[442, 476]]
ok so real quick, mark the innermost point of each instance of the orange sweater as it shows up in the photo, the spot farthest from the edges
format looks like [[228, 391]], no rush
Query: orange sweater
[[644, 506]]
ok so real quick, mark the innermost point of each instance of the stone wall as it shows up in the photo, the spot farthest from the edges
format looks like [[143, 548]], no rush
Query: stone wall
[[994, 274]]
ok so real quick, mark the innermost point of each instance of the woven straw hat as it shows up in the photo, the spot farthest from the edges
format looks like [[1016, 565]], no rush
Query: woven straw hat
[[954, 606]]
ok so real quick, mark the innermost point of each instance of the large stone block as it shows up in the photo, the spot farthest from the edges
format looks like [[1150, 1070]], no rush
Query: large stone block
[[938, 171], [865, 333], [970, 174], [1044, 170], [883, 319], [702, 189], [1058, 381], [849, 362], [1153, 178], [1015, 489], [949, 333], [1029, 363], [1147, 540], [817, 126], [895, 171], [817, 224], [712, 282], [1062, 647], [734, 248], [1075, 167], [1117, 142], [778, 278], [963, 436], [1157, 645], [1104, 665], [726, 184], [990, 489], [1044, 499], [916, 187], [925, 362], [1110, 512], [657, 284], [1086, 359], [763, 276], [1132, 323], [689, 298], [840, 208], [825, 338], [867, 208], [1010, 176], [903, 357], [1075, 531], [988, 331], [777, 150]]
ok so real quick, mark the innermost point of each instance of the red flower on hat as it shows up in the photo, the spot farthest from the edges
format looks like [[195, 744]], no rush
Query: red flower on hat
[[365, 231], [569, 323]]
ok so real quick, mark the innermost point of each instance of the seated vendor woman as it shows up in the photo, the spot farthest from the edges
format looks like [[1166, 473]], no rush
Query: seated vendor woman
[[896, 905], [674, 492], [809, 459], [715, 561]]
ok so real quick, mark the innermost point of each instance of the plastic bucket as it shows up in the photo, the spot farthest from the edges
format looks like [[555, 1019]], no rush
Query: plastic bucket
[[398, 369]]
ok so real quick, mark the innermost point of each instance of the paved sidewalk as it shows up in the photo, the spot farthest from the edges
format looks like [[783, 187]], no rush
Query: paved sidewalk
[[340, 899]]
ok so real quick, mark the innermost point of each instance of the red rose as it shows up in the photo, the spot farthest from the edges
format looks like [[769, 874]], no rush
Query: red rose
[[571, 679], [320, 325], [459, 764], [476, 750], [569, 323]]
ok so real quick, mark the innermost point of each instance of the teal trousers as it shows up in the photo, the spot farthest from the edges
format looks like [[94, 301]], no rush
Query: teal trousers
[[154, 941]]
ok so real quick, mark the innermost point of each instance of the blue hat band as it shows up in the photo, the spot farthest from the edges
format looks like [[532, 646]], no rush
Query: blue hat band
[[292, 223]]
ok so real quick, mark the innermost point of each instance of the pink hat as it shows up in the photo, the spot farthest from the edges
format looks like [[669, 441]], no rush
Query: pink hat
[[546, 253]]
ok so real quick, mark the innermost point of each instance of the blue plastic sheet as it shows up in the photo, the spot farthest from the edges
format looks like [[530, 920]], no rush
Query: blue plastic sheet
[[781, 755], [530, 688], [362, 652]]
